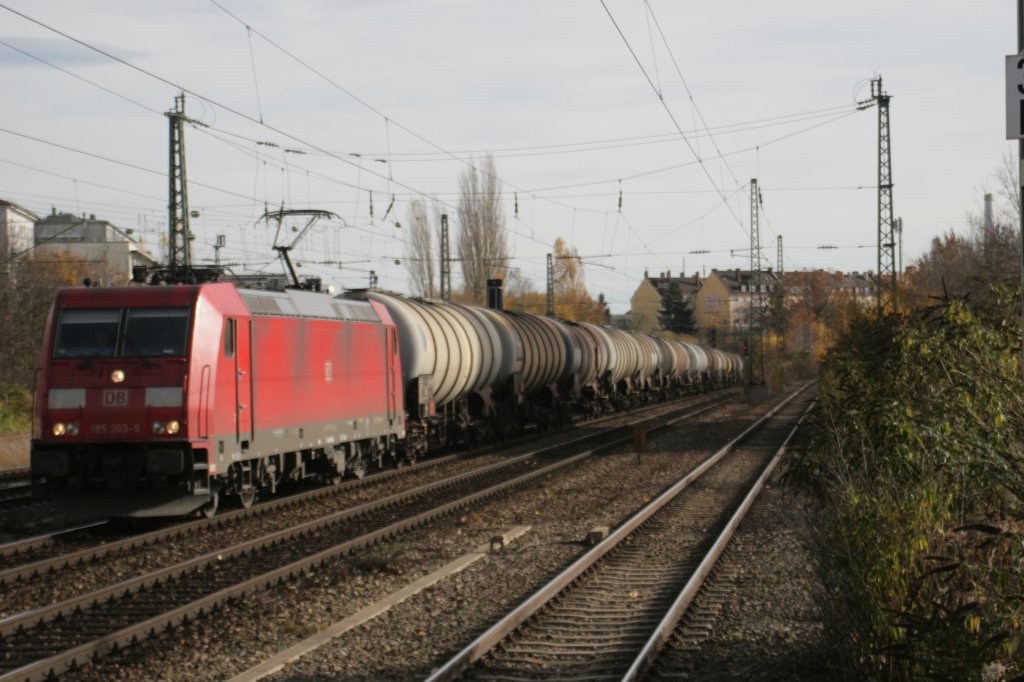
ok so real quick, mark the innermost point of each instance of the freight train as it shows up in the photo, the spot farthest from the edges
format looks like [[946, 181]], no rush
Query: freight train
[[162, 400]]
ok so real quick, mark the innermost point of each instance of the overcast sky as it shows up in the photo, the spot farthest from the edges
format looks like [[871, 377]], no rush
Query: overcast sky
[[417, 88]]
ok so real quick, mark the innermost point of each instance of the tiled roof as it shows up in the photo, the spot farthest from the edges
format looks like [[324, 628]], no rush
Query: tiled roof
[[687, 285]]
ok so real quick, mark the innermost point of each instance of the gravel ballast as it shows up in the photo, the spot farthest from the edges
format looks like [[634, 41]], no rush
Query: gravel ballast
[[411, 638]]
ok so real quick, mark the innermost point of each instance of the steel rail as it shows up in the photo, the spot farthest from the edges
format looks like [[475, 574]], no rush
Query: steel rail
[[18, 546], [46, 564], [58, 663], [45, 614], [490, 638], [14, 474], [16, 493], [668, 624]]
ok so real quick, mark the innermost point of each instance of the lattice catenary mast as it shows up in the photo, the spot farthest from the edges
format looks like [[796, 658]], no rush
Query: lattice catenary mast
[[179, 256], [755, 334], [778, 256], [550, 312], [886, 228], [446, 261]]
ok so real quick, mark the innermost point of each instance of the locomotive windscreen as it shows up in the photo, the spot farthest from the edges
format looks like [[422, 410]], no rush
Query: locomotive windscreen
[[131, 333], [155, 332], [87, 333]]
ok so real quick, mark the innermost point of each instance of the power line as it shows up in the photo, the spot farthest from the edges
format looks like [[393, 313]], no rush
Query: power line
[[388, 120], [108, 159], [80, 78], [699, 162], [614, 143], [254, 120], [182, 88], [200, 128], [84, 182], [671, 116]]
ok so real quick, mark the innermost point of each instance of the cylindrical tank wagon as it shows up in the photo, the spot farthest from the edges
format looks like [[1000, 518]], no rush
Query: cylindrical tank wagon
[[474, 373]]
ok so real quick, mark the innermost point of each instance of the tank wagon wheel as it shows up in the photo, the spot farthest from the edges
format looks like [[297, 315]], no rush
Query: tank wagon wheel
[[405, 456]]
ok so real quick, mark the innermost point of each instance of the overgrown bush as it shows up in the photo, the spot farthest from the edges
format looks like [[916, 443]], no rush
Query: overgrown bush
[[15, 409], [916, 456]]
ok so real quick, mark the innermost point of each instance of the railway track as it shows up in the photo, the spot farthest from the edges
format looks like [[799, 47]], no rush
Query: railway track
[[48, 640], [19, 475], [15, 486], [607, 616], [36, 557]]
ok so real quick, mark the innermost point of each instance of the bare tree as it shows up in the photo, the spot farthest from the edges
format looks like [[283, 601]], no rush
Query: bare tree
[[1008, 177], [572, 300], [27, 290], [482, 243], [969, 261], [568, 269], [419, 250]]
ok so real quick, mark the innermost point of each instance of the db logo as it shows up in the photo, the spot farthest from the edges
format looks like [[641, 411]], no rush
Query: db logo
[[115, 398]]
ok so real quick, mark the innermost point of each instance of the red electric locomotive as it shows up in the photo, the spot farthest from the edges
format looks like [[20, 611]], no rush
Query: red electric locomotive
[[157, 401]]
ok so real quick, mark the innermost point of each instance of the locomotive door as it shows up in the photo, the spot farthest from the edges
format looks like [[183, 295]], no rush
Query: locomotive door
[[391, 345], [243, 382]]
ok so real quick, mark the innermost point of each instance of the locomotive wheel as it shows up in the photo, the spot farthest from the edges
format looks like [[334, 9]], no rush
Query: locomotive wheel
[[357, 462], [247, 496], [210, 510]]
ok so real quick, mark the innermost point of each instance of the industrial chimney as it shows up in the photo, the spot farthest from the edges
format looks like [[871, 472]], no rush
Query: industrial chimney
[[988, 212], [495, 300]]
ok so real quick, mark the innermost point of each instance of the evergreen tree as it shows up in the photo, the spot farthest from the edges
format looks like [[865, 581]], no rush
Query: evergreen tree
[[676, 315]]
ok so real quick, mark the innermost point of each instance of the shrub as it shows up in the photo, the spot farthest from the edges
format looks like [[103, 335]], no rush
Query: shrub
[[15, 409], [916, 456]]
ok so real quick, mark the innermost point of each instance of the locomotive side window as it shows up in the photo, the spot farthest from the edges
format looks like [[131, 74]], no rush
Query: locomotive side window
[[155, 332], [87, 333], [229, 338]]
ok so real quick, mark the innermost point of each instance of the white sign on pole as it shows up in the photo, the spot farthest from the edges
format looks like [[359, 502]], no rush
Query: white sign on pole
[[1014, 96]]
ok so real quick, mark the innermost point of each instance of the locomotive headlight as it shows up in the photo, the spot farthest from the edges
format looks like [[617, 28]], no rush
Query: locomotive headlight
[[117, 376], [166, 428], [61, 429]]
